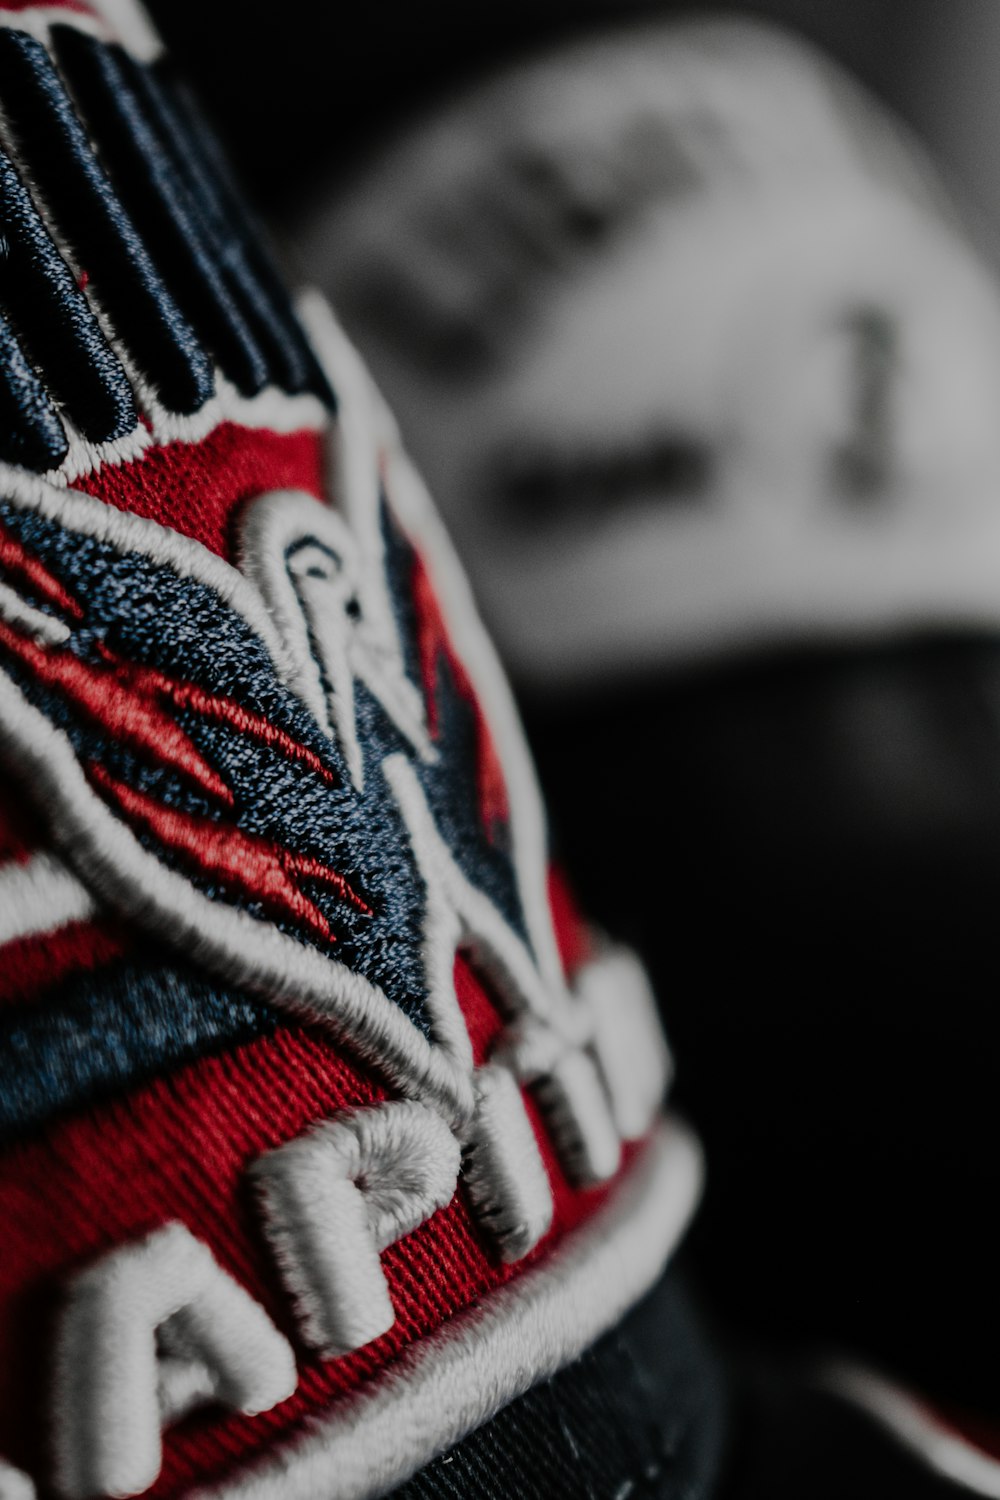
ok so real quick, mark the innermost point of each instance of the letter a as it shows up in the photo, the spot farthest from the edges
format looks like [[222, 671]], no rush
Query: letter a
[[147, 1332]]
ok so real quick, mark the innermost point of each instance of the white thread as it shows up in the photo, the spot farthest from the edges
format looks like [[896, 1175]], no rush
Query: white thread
[[270, 410], [570, 1092], [520, 1334], [505, 1176], [915, 1427], [355, 475], [40, 896], [443, 928], [107, 1414], [36, 622], [15, 1484], [115, 863], [132, 26], [576, 1109], [337, 1196], [369, 445], [628, 1038], [530, 1050]]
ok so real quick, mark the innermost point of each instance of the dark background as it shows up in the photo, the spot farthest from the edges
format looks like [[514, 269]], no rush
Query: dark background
[[300, 88]]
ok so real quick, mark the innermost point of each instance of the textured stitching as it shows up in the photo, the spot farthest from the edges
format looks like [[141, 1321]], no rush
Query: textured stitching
[[130, 277], [180, 1146], [92, 223], [107, 1399], [55, 326], [640, 1416], [32, 434], [337, 1196]]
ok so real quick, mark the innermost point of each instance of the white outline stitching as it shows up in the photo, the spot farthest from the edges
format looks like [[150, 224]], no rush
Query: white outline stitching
[[504, 1173], [40, 896], [457, 1377], [335, 1197]]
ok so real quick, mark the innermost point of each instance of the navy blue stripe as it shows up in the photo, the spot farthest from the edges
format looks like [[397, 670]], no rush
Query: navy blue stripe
[[158, 202], [236, 241], [110, 1031], [93, 224], [56, 328], [31, 433]]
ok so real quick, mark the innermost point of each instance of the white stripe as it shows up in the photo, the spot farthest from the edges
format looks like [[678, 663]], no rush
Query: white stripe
[[916, 1428], [458, 1377], [36, 622], [114, 21], [271, 410], [40, 896], [37, 20], [130, 23]]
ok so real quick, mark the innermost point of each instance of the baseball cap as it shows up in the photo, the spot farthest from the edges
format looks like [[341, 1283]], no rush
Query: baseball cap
[[330, 1130]]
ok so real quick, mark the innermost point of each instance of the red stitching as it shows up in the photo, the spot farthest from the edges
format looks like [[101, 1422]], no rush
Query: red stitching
[[114, 705], [258, 869], [14, 559]]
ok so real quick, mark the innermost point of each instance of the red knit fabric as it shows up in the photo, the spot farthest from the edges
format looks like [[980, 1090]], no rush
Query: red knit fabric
[[482, 1020], [31, 967], [179, 1148], [197, 488]]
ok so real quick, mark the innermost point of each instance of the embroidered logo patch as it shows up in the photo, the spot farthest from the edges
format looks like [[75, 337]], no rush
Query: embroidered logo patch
[[292, 1076], [309, 804]]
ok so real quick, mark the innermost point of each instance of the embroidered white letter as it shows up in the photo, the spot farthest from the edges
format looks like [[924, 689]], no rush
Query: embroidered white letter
[[628, 1038], [14, 1483], [337, 1196], [504, 1171], [132, 1322]]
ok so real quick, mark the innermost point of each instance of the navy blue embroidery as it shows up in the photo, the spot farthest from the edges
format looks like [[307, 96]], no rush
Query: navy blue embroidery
[[54, 323], [140, 616], [111, 1030], [451, 788], [31, 433], [92, 222], [158, 203], [239, 240], [179, 206], [127, 181]]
